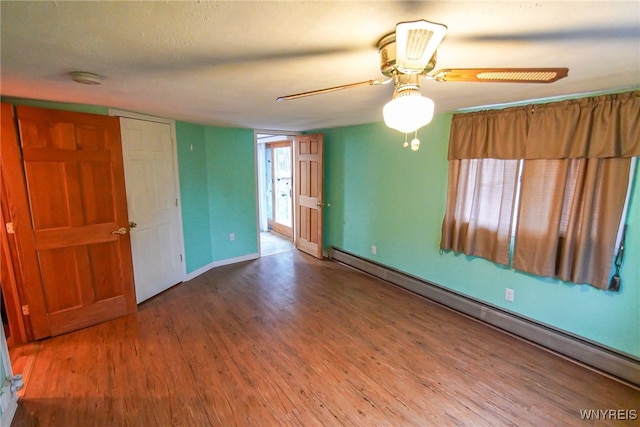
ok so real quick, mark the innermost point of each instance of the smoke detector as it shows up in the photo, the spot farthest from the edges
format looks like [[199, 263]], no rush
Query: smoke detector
[[85, 78]]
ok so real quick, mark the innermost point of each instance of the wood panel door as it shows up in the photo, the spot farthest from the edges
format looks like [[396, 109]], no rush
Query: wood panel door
[[156, 239], [78, 237], [308, 159]]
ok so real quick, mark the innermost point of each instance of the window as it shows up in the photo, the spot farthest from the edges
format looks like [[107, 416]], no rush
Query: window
[[565, 225], [478, 219], [554, 176]]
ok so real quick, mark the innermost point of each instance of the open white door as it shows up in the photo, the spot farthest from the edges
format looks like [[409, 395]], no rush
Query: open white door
[[151, 182]]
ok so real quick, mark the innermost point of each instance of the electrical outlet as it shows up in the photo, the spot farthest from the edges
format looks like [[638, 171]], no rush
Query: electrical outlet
[[509, 294], [232, 236], [374, 250]]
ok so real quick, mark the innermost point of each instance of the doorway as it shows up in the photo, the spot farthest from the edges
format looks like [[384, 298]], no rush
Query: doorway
[[275, 192]]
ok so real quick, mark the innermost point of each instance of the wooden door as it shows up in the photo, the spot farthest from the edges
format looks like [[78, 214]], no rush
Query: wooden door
[[156, 239], [308, 156], [76, 247]]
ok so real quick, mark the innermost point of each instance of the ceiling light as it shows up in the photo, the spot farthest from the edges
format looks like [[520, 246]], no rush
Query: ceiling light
[[408, 111], [86, 78]]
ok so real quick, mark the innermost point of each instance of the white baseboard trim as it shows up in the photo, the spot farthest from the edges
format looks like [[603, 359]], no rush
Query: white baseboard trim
[[620, 365], [220, 263]]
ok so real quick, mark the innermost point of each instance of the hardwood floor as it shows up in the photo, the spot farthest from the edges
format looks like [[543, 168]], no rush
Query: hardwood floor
[[291, 340]]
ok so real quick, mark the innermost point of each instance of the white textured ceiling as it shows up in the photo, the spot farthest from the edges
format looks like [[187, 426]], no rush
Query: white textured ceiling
[[224, 63]]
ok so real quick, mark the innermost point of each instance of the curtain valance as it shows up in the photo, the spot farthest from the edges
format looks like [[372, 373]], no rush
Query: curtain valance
[[596, 127]]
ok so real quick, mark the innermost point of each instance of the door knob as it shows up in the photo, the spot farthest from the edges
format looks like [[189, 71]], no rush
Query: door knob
[[132, 224], [121, 230]]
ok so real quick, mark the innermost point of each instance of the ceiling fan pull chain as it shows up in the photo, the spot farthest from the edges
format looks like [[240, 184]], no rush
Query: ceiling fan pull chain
[[406, 144], [415, 142]]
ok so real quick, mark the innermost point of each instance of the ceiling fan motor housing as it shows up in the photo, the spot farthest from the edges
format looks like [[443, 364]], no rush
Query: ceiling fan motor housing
[[387, 51], [411, 49], [406, 84]]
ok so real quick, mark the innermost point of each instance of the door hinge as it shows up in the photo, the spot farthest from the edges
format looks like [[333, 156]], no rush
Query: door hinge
[[180, 257], [25, 309], [176, 202], [10, 229]]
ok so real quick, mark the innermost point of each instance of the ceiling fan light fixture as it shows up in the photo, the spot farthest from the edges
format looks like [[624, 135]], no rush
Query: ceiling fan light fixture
[[416, 43], [408, 112]]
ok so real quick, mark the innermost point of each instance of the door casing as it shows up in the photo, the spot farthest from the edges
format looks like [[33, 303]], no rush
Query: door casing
[[259, 203]]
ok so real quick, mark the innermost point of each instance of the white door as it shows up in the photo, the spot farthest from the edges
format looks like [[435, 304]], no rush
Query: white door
[[150, 175]]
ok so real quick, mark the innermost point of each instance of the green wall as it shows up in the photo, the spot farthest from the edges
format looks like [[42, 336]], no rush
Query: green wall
[[230, 157], [217, 185], [194, 193], [384, 195]]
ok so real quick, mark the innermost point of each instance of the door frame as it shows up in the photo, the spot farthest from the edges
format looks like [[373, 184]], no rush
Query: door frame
[[12, 287], [176, 175], [10, 279], [274, 133]]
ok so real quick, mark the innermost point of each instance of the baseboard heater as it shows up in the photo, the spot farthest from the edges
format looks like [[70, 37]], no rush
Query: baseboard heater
[[622, 366]]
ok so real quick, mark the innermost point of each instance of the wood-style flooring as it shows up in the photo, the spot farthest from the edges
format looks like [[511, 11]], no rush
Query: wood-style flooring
[[289, 340]]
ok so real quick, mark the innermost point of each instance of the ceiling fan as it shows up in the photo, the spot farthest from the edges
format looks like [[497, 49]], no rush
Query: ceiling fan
[[407, 55]]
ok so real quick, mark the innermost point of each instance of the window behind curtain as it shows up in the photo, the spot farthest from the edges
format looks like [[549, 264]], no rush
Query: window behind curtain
[[478, 216], [576, 162], [569, 216]]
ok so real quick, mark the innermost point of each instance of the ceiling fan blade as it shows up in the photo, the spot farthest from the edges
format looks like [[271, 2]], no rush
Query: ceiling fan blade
[[589, 33], [416, 42], [333, 89], [501, 75]]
